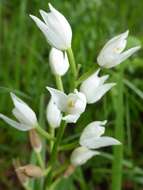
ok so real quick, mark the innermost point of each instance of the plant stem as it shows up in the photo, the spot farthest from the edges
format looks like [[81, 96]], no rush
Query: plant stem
[[57, 142], [119, 134], [44, 133], [52, 132], [40, 161], [26, 187], [54, 153], [59, 82], [72, 64]]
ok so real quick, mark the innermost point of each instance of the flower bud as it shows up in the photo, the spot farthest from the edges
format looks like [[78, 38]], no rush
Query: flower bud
[[21, 176], [54, 115], [31, 171], [35, 140], [58, 61]]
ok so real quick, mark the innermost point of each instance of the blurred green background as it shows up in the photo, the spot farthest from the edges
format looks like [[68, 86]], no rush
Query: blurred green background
[[24, 69]]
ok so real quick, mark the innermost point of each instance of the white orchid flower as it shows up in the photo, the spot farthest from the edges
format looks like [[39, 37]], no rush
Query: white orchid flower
[[81, 155], [54, 115], [58, 61], [55, 28], [92, 138], [94, 87], [112, 53], [23, 113], [73, 104]]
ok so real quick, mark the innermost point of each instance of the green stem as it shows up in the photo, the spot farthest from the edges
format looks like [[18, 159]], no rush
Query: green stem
[[57, 142], [59, 82], [40, 161], [44, 133], [26, 187], [54, 153], [52, 132], [72, 62], [119, 134]]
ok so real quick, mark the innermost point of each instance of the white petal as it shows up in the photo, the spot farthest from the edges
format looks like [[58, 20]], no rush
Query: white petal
[[58, 62], [15, 124], [95, 143], [125, 55], [117, 43], [59, 98], [71, 118], [76, 103], [26, 112], [81, 155], [64, 25], [50, 35], [54, 115], [94, 88], [99, 93], [20, 117], [92, 130]]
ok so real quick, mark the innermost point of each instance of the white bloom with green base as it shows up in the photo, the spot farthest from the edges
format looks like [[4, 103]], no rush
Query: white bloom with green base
[[94, 87], [92, 138], [73, 104], [55, 28], [81, 155], [58, 61], [54, 115], [23, 113], [112, 53]]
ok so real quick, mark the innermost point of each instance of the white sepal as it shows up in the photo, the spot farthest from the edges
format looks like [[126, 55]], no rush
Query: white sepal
[[81, 155], [112, 53], [16, 125], [55, 28], [92, 139], [93, 130], [94, 87], [54, 115], [58, 61], [59, 97]]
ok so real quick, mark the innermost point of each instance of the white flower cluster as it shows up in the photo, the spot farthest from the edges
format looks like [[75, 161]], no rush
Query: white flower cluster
[[70, 106]]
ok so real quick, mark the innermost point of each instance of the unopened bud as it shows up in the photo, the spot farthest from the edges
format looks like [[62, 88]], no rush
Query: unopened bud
[[31, 171], [21, 176], [35, 140], [69, 171]]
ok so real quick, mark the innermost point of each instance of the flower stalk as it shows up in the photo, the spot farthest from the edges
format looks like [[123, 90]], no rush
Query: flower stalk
[[44, 133], [59, 83], [72, 63]]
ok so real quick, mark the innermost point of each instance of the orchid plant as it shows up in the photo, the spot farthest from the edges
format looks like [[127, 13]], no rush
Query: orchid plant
[[64, 108]]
